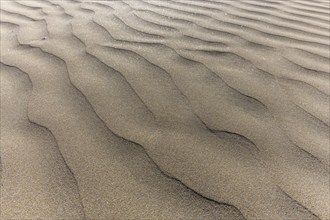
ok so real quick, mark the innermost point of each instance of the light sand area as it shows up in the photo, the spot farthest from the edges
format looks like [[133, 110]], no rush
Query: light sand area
[[174, 109]]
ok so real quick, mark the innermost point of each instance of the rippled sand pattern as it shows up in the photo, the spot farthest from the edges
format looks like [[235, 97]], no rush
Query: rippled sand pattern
[[176, 109]]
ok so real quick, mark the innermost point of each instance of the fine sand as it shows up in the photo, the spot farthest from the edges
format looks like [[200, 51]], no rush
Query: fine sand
[[165, 109]]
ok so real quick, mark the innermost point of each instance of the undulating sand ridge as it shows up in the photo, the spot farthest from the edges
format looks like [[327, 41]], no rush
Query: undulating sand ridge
[[171, 109]]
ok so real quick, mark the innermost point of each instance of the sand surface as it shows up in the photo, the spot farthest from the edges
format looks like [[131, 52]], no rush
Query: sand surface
[[174, 109]]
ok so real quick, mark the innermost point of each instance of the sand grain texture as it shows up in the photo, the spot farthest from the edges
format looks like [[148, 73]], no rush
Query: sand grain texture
[[176, 109]]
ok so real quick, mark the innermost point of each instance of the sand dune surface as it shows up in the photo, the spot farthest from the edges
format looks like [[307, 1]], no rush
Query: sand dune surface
[[175, 109]]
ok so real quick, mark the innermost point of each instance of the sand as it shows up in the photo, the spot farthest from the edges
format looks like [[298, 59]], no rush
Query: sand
[[174, 109]]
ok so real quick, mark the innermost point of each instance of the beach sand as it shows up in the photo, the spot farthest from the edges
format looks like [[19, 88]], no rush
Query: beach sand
[[174, 109]]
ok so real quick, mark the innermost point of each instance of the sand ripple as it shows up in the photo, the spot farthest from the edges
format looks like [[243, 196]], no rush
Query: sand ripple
[[177, 109]]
